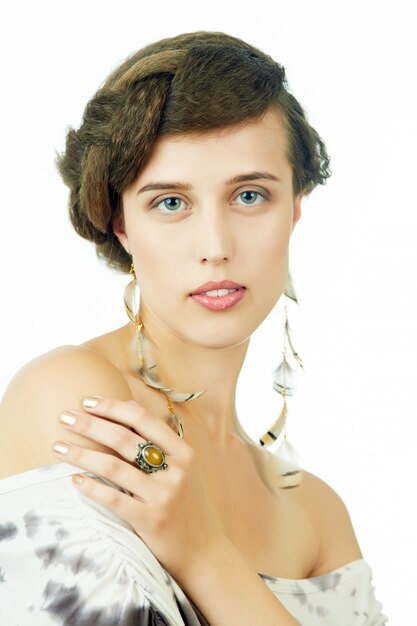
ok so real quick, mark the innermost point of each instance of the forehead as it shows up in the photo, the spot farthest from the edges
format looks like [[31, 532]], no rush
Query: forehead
[[249, 144]]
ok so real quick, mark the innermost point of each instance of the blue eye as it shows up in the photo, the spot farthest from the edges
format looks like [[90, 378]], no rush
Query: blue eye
[[256, 193], [172, 203], [171, 207]]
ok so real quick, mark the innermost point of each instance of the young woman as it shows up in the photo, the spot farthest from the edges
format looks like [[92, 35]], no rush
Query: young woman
[[130, 494]]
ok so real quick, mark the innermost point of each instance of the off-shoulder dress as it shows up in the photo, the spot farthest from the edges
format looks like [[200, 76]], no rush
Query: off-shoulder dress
[[67, 561]]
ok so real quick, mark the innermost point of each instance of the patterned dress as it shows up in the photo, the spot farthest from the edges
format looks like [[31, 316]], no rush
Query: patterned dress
[[67, 561]]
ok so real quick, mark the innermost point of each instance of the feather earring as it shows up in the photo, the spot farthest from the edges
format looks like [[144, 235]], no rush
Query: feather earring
[[289, 470], [144, 354]]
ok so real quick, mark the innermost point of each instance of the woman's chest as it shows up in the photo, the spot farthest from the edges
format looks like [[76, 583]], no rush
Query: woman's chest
[[277, 534]]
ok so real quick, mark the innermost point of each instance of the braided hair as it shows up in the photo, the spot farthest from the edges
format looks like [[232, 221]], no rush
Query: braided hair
[[192, 83]]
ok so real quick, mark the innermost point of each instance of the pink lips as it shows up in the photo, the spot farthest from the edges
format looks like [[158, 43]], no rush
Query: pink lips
[[218, 303]]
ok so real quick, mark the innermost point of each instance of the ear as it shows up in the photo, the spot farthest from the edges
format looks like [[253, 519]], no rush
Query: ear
[[297, 210], [120, 232]]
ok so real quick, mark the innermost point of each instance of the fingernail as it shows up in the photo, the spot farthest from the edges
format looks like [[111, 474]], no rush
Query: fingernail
[[60, 448], [90, 402], [78, 478], [68, 419]]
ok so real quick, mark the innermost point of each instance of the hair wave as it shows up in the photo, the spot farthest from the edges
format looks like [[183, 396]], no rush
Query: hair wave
[[194, 82]]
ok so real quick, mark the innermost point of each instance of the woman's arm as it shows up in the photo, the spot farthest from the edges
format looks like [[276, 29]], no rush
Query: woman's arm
[[29, 424]]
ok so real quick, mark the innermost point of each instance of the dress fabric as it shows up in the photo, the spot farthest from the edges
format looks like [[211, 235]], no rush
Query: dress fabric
[[67, 561]]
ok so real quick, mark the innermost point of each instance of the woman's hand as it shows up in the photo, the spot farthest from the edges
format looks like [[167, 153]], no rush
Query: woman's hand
[[169, 509]]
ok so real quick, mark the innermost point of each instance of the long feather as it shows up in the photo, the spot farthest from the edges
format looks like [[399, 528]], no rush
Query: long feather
[[290, 469], [175, 396], [289, 289], [288, 457], [145, 360], [282, 467], [296, 355], [177, 423], [275, 430], [282, 379], [150, 379], [132, 300]]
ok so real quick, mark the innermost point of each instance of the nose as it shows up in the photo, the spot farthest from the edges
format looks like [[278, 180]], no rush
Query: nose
[[213, 236]]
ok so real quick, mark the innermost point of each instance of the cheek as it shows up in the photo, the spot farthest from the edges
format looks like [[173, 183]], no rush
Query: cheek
[[158, 266], [272, 243], [271, 263], [273, 273]]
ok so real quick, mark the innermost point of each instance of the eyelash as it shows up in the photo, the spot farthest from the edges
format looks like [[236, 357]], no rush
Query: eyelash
[[156, 204]]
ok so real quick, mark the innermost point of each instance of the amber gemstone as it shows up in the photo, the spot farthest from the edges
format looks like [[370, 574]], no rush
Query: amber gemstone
[[153, 456]]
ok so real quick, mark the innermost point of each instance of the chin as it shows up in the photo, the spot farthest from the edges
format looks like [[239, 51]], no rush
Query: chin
[[226, 344], [217, 335]]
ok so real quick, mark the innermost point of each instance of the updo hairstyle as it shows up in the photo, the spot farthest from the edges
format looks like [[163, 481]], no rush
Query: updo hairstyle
[[194, 82]]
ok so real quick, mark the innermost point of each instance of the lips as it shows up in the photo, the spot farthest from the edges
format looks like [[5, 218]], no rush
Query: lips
[[224, 284], [232, 294]]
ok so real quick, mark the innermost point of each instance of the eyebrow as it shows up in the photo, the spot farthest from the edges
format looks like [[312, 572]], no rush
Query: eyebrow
[[231, 181]]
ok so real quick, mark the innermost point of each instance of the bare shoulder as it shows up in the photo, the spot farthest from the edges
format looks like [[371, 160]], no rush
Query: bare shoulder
[[338, 542], [39, 392]]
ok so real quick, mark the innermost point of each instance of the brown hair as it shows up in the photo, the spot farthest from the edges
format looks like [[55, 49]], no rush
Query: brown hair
[[194, 82]]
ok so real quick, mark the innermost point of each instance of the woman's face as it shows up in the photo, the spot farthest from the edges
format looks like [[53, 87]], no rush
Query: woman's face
[[202, 227]]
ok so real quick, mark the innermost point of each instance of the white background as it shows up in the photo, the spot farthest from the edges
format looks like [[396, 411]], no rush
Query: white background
[[353, 254]]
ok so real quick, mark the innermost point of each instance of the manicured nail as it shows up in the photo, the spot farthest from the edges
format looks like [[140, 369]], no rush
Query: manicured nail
[[60, 448], [90, 403], [78, 478], [68, 419]]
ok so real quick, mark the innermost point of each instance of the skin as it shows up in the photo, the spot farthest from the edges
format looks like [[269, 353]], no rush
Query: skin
[[195, 515], [215, 233]]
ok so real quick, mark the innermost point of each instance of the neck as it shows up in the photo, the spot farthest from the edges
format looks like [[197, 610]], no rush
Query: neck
[[190, 368]]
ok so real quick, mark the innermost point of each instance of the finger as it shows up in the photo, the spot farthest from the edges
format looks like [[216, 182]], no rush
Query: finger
[[136, 416], [126, 476], [129, 509], [112, 435]]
